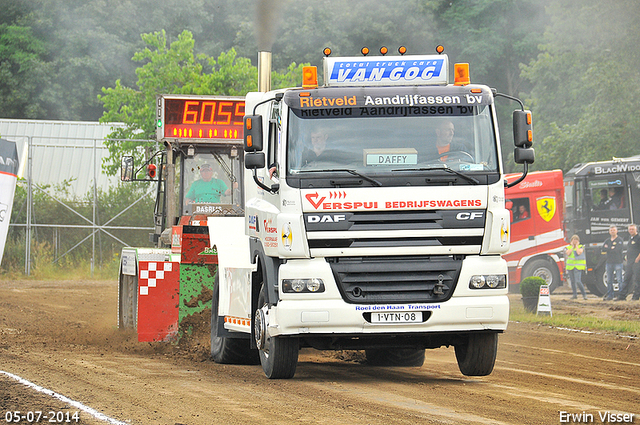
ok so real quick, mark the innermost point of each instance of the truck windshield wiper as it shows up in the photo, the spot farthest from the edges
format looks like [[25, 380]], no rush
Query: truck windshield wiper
[[346, 170], [444, 167]]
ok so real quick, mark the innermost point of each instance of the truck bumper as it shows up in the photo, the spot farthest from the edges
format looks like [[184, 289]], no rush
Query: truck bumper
[[323, 317], [328, 313]]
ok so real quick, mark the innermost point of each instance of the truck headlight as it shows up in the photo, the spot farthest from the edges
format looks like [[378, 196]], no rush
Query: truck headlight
[[476, 282], [490, 281], [302, 285]]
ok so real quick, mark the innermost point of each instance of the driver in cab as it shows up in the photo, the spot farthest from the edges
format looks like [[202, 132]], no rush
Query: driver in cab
[[207, 189], [445, 144]]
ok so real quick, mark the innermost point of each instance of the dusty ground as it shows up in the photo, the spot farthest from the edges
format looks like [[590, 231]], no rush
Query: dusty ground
[[62, 336]]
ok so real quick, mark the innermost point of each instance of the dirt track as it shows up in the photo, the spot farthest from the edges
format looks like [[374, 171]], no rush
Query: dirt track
[[62, 336]]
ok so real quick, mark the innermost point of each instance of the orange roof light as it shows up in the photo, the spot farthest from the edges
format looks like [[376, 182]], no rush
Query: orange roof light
[[402, 50], [461, 74], [384, 50], [439, 49], [309, 77], [326, 51], [248, 123], [364, 51]]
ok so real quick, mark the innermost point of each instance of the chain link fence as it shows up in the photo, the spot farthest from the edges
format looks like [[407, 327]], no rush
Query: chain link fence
[[66, 206]]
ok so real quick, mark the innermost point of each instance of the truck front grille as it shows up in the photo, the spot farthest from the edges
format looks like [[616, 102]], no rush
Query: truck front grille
[[404, 279], [340, 233]]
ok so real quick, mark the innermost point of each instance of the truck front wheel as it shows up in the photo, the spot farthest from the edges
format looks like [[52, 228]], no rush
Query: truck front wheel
[[228, 350], [476, 354], [278, 355]]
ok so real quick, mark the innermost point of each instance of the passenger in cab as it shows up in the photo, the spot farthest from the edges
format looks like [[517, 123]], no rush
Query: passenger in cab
[[445, 148]]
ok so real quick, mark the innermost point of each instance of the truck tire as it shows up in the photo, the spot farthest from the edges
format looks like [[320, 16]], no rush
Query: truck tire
[[597, 285], [228, 350], [476, 355], [128, 302], [404, 357], [278, 355], [544, 269]]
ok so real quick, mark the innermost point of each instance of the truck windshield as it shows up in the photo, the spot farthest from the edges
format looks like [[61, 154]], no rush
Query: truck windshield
[[375, 134], [211, 182]]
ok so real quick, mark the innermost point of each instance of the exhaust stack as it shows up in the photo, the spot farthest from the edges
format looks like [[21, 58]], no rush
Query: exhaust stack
[[264, 71]]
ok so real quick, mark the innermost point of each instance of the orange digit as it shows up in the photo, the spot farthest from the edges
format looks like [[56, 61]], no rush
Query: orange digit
[[206, 105], [224, 113], [190, 116], [239, 113]]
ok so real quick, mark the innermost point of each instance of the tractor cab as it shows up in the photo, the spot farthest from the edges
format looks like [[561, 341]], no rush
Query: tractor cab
[[211, 181]]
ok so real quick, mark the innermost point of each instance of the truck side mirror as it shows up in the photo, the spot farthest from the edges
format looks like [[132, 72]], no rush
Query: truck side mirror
[[254, 157], [126, 168], [252, 133], [254, 160], [524, 155], [522, 129]]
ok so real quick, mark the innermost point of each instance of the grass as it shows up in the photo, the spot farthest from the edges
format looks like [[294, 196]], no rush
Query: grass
[[66, 268], [564, 320], [45, 270]]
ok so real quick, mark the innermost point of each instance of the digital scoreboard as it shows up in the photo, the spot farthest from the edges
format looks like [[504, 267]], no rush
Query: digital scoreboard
[[199, 118]]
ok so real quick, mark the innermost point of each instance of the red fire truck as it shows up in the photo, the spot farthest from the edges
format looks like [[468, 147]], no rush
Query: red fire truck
[[537, 233]]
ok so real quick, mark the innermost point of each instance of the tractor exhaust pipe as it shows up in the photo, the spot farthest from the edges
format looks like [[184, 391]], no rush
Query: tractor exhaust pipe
[[264, 71]]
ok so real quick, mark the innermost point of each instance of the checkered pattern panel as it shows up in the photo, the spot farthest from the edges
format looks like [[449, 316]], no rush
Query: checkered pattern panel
[[154, 272]]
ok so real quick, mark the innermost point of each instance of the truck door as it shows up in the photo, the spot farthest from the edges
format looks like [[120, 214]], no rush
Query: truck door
[[633, 181], [537, 235], [606, 202]]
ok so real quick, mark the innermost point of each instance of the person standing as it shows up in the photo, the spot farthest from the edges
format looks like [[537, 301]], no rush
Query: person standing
[[613, 249], [576, 264], [632, 270]]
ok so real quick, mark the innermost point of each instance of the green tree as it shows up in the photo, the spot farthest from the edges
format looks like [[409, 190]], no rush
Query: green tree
[[24, 74], [174, 69], [586, 83], [88, 44], [496, 37]]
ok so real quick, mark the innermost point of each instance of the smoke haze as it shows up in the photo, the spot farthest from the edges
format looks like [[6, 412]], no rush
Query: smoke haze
[[267, 22]]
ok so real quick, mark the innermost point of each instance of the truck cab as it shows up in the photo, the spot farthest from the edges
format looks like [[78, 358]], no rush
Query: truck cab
[[598, 195]]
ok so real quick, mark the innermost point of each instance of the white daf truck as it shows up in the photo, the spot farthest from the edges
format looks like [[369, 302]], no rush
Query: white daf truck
[[374, 218]]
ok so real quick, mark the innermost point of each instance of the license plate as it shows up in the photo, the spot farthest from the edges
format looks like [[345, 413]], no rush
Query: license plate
[[396, 317]]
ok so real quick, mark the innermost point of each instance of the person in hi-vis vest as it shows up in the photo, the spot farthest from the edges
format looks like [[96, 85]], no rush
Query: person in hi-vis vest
[[576, 262]]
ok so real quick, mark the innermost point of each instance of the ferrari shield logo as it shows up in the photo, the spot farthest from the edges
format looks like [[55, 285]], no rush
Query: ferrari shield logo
[[546, 207]]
